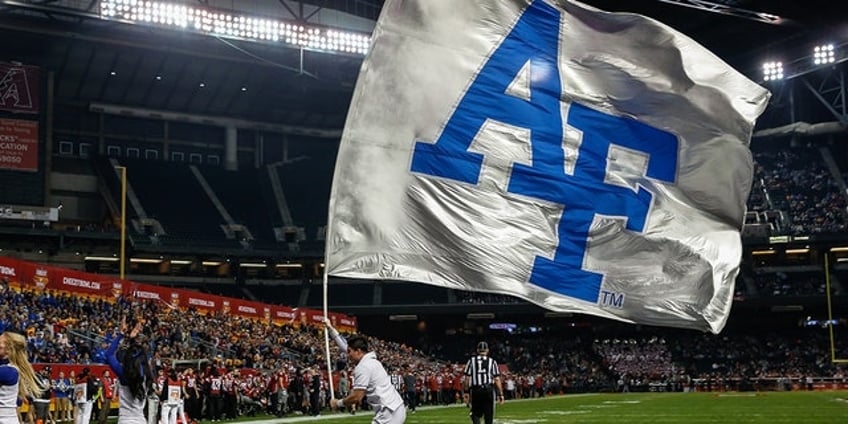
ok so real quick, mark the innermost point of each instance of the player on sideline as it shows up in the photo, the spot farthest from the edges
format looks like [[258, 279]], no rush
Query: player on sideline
[[370, 381]]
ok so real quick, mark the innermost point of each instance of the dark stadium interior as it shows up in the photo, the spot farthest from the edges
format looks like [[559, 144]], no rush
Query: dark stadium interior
[[159, 102]]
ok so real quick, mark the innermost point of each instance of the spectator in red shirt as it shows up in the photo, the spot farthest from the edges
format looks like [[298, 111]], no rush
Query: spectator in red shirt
[[108, 395]]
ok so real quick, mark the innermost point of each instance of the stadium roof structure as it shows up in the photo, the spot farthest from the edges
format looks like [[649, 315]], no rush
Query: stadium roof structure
[[112, 62]]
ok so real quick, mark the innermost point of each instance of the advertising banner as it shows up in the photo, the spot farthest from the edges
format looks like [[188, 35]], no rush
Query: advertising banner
[[18, 145], [43, 277]]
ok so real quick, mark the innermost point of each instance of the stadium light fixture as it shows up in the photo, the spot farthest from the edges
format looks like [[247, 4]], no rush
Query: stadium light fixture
[[288, 265], [403, 317], [839, 249], [797, 251], [480, 315], [763, 252], [772, 71], [220, 23], [180, 262], [145, 261], [787, 308], [211, 263], [824, 54], [252, 265], [101, 259]]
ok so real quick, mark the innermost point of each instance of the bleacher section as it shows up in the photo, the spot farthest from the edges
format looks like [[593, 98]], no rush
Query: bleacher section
[[398, 293], [242, 196], [799, 183], [347, 294], [306, 184], [176, 195], [786, 284], [171, 194], [278, 294], [795, 191]]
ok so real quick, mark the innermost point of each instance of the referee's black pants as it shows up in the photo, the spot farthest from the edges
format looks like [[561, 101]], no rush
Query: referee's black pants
[[482, 404]]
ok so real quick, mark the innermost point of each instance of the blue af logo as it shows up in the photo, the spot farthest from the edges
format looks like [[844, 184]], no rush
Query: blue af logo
[[531, 49]]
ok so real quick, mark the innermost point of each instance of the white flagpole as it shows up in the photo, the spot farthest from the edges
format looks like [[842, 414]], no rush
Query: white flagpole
[[328, 237], [327, 334]]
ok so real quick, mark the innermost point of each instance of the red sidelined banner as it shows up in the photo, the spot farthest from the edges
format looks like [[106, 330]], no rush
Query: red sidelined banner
[[248, 309], [343, 322], [19, 87], [19, 145], [53, 278], [150, 292], [28, 275], [316, 317], [282, 315], [201, 302]]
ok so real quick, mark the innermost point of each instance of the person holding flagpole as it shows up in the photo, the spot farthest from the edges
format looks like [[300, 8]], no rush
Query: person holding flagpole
[[342, 344], [370, 381]]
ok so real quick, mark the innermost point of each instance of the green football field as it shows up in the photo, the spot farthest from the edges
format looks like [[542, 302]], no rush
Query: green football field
[[635, 408]]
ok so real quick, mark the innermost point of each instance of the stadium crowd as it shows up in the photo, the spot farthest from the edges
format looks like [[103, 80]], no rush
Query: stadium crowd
[[797, 182], [243, 366]]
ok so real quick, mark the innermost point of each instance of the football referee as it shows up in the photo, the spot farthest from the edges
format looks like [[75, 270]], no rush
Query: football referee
[[483, 381]]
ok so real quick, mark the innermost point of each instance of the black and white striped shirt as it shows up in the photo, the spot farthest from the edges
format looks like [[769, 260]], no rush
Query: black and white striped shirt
[[482, 370]]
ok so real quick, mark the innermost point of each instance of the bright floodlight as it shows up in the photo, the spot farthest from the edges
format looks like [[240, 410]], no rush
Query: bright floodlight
[[223, 24], [772, 71], [823, 55]]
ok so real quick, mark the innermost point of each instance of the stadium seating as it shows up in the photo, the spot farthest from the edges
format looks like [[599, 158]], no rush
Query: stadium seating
[[245, 194]]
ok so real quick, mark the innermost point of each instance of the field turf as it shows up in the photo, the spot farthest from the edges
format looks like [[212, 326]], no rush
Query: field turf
[[636, 408]]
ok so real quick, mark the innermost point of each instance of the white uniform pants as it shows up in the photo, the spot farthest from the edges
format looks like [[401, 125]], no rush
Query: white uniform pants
[[387, 416], [84, 412], [152, 409], [181, 412], [169, 413]]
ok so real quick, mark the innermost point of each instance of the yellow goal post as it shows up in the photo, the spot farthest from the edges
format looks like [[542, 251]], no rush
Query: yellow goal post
[[830, 325]]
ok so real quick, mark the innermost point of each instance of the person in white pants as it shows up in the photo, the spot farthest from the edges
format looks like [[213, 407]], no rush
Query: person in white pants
[[83, 396], [181, 411], [371, 382], [173, 403], [152, 409]]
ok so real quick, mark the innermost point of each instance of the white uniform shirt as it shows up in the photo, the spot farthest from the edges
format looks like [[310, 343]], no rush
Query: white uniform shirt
[[130, 408], [9, 394], [369, 375]]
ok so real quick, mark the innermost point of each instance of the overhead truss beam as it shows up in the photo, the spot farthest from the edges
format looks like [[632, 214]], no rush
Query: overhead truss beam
[[724, 9]]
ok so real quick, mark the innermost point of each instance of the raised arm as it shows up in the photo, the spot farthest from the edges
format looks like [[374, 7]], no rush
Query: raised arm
[[112, 359], [341, 342]]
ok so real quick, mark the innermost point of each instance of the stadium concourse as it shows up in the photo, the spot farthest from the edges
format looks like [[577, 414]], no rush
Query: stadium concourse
[[199, 159]]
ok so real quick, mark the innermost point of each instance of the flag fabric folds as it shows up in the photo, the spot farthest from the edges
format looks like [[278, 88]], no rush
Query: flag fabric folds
[[585, 161]]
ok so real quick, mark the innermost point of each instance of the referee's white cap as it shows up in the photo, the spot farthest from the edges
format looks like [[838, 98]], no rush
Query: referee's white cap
[[482, 347]]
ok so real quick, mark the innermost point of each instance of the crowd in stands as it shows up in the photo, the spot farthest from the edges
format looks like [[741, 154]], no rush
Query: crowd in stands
[[785, 284], [257, 360], [798, 182], [479, 297]]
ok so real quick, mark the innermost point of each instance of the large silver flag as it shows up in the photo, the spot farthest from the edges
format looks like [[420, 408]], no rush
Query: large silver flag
[[582, 160]]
